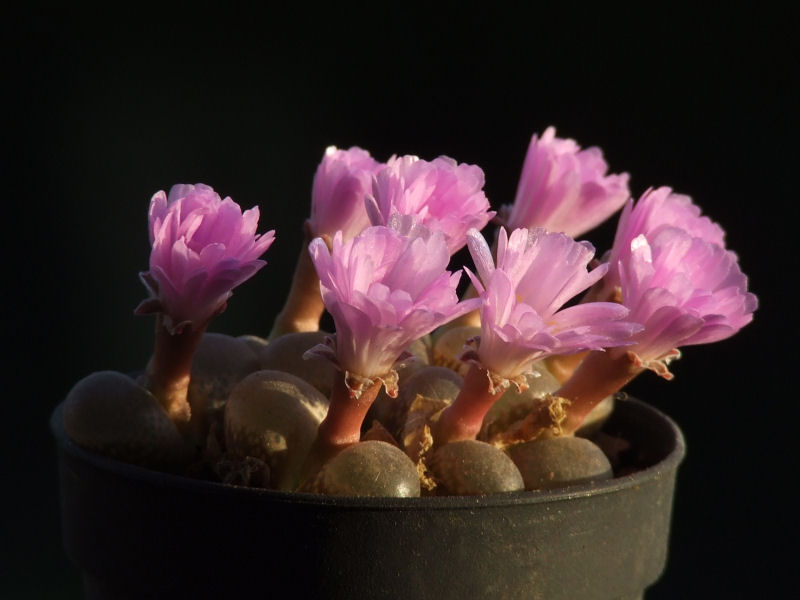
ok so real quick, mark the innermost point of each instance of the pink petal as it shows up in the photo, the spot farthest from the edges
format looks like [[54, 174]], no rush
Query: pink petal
[[341, 183], [522, 319], [385, 287], [683, 288], [563, 188], [202, 247], [443, 195]]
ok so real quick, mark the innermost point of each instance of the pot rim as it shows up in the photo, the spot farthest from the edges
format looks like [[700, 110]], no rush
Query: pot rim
[[162, 479]]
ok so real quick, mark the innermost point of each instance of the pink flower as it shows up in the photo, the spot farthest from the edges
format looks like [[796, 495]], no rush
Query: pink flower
[[202, 248], [385, 288], [563, 188], [685, 290], [342, 180], [443, 194], [522, 319], [656, 209]]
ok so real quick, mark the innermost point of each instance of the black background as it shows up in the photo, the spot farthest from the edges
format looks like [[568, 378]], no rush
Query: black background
[[103, 110]]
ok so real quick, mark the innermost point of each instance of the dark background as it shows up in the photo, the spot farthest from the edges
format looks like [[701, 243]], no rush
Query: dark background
[[102, 112]]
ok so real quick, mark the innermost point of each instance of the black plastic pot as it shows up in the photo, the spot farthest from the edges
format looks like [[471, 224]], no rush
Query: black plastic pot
[[137, 533]]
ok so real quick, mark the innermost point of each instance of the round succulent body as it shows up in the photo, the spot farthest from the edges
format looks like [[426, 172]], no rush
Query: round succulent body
[[285, 353], [473, 468], [560, 461], [371, 468], [274, 416], [220, 362], [109, 413]]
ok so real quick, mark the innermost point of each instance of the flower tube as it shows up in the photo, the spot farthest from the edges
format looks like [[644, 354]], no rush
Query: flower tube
[[385, 288], [685, 289], [656, 209], [563, 188], [522, 319], [202, 248]]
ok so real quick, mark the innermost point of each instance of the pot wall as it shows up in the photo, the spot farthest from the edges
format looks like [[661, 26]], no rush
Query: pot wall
[[141, 534]]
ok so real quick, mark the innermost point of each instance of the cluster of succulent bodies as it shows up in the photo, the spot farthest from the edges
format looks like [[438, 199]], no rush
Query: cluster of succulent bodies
[[418, 391]]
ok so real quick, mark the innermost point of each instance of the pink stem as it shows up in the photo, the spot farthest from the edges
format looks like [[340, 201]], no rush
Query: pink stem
[[462, 420], [342, 425], [598, 376], [304, 307], [169, 371]]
